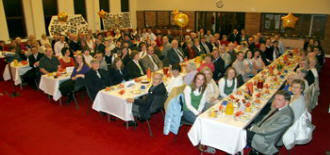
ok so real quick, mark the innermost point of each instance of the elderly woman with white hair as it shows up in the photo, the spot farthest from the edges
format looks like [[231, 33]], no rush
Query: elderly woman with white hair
[[191, 72]]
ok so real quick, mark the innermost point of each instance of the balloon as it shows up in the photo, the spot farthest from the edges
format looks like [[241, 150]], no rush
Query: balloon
[[289, 20], [102, 13], [181, 19], [62, 16]]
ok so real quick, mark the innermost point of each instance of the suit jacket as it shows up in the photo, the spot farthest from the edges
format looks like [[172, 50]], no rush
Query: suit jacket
[[173, 57], [208, 45], [32, 60], [270, 131], [199, 51], [234, 38], [117, 76], [310, 77], [152, 102], [133, 70], [94, 83], [146, 62], [219, 68]]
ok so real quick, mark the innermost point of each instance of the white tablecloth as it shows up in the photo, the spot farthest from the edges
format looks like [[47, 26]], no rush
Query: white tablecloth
[[227, 132], [113, 103], [17, 71], [50, 85]]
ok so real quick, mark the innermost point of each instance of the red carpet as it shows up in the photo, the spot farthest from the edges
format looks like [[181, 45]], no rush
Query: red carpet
[[31, 125]]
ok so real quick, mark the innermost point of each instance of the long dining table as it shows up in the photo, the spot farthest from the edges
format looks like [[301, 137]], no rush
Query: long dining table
[[224, 127]]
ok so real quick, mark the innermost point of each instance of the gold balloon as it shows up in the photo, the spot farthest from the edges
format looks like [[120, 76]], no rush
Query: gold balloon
[[102, 13], [62, 16], [181, 19], [289, 20]]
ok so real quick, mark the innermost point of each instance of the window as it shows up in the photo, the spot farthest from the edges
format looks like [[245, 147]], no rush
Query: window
[[308, 25], [124, 5], [80, 8], [15, 18], [221, 22], [50, 9], [104, 4]]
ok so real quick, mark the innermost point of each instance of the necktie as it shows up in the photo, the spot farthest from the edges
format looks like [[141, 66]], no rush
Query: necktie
[[179, 54], [270, 115], [98, 74], [206, 48]]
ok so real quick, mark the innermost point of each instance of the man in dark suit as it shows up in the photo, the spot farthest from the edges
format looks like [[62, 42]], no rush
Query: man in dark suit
[[219, 65], [265, 56], [134, 67], [174, 54], [207, 47], [153, 101], [99, 46], [74, 43], [266, 133], [96, 79], [33, 74], [198, 48], [234, 37]]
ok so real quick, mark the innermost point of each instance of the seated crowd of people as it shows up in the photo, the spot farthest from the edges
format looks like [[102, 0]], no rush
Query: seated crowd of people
[[104, 59]]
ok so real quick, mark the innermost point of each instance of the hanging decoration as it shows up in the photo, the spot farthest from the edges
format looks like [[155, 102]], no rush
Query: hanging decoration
[[73, 24], [289, 21], [62, 16], [116, 20], [180, 19], [102, 13]]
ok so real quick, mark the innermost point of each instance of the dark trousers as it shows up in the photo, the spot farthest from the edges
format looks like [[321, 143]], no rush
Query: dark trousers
[[249, 137], [31, 77]]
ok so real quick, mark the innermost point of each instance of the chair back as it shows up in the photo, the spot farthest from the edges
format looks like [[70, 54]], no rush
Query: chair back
[[174, 93]]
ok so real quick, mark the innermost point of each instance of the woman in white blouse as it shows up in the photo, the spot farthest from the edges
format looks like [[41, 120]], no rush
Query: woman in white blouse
[[211, 88], [228, 83], [195, 98], [258, 64], [88, 58], [44, 40], [248, 64], [176, 79], [90, 42]]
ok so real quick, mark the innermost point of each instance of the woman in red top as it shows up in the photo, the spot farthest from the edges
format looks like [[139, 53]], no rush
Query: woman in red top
[[224, 40], [189, 51], [66, 60], [207, 62]]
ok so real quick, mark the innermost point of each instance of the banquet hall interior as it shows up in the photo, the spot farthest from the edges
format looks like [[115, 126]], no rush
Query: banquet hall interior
[[176, 77]]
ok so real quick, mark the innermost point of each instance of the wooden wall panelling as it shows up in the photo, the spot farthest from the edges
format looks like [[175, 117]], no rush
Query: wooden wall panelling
[[140, 19], [191, 15], [163, 18], [252, 22], [150, 18], [326, 41]]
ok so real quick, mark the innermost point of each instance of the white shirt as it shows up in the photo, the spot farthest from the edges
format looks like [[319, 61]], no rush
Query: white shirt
[[142, 54], [43, 42], [221, 84], [179, 53], [174, 82], [88, 59], [58, 47], [90, 44], [187, 92]]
